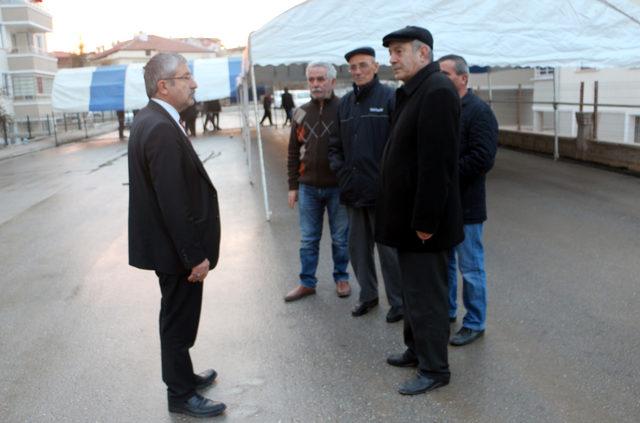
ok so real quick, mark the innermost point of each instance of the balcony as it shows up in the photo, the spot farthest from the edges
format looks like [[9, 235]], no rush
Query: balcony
[[19, 16], [25, 60]]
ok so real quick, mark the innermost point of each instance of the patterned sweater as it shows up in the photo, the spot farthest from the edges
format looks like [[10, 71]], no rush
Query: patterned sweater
[[308, 160]]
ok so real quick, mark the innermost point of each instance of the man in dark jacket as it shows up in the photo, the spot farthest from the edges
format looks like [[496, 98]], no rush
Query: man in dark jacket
[[478, 144], [266, 105], [355, 150], [287, 104], [418, 210], [314, 186], [174, 225]]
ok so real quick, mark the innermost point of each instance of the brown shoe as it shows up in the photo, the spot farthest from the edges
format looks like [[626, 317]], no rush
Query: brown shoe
[[299, 292], [343, 289]]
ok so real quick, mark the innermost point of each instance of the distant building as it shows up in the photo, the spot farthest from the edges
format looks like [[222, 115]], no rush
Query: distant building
[[26, 69], [142, 47], [211, 44], [69, 60], [532, 88]]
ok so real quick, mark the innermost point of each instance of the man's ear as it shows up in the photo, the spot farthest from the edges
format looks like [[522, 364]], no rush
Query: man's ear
[[162, 86]]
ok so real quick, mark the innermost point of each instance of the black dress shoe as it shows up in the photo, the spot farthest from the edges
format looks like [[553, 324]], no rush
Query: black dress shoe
[[198, 406], [395, 314], [421, 384], [363, 308], [465, 336], [205, 378], [405, 359]]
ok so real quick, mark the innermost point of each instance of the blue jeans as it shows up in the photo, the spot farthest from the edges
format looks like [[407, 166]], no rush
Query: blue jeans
[[311, 202], [470, 255]]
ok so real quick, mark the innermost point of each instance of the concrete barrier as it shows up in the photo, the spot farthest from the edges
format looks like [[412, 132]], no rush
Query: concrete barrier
[[620, 156]]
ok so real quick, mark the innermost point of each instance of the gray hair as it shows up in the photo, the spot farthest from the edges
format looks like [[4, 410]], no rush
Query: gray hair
[[459, 64], [416, 44], [332, 73], [161, 66]]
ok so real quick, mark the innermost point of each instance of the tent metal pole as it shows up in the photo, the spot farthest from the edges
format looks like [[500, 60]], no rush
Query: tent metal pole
[[259, 135], [247, 127], [490, 90], [556, 152]]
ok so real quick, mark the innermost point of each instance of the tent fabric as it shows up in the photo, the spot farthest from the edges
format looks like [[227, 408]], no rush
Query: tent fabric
[[122, 87], [589, 33]]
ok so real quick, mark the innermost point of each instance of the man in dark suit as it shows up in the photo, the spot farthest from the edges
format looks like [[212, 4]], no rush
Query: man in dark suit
[[174, 225], [418, 210]]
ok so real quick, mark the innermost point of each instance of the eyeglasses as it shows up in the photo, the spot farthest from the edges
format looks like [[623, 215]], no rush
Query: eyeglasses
[[187, 77], [362, 66]]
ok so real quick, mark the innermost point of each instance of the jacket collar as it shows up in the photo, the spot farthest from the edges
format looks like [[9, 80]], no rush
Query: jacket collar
[[468, 98], [186, 141], [417, 79], [324, 100], [364, 90], [159, 108]]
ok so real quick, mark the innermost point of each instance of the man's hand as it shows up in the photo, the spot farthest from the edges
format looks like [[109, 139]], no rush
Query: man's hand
[[423, 236], [199, 272], [293, 198]]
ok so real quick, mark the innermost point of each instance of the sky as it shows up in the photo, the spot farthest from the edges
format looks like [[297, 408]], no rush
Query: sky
[[102, 23]]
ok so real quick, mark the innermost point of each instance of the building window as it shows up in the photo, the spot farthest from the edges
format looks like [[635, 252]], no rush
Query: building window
[[24, 87], [636, 135], [544, 73], [147, 52]]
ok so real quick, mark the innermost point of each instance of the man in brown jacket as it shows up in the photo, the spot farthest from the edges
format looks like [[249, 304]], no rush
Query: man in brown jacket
[[314, 186]]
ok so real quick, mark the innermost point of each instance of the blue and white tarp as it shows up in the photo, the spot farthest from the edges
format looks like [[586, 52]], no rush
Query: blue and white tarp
[[121, 87]]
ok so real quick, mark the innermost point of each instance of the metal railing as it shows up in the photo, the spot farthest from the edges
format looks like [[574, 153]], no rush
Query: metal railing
[[57, 125]]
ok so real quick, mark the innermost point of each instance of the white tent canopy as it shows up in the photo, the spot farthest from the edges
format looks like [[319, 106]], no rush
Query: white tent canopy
[[594, 33], [571, 33], [121, 87]]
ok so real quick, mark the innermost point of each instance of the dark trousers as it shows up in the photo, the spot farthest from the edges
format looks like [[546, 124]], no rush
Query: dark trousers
[[425, 294], [190, 126], [179, 318], [267, 115], [361, 243], [289, 113]]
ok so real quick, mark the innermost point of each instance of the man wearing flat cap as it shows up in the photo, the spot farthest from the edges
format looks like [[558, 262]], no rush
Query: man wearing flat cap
[[418, 210], [355, 149]]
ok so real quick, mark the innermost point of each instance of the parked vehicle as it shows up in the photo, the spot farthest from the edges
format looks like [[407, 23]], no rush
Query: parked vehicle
[[299, 97]]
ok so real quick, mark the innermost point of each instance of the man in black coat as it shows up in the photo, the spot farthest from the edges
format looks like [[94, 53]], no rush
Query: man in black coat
[[418, 210], [287, 104], [478, 145], [174, 225], [355, 149]]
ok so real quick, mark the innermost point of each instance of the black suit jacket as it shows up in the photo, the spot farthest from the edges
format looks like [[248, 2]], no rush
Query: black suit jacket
[[419, 170], [174, 221]]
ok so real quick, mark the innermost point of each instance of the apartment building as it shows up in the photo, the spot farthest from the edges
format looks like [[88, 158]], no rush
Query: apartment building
[[26, 69]]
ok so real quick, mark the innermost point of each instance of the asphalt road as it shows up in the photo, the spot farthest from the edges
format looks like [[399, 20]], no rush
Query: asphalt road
[[78, 326]]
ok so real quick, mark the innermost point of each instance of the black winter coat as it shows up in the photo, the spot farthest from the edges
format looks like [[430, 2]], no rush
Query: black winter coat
[[355, 148], [419, 174], [478, 145]]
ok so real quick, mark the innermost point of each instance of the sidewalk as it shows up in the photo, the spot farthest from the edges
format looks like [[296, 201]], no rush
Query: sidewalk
[[16, 150]]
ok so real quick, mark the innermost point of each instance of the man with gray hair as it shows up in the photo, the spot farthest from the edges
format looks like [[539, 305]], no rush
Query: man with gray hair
[[418, 210], [313, 184], [478, 145], [174, 225]]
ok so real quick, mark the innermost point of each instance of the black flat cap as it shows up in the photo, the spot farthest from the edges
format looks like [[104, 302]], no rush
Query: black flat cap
[[360, 50], [409, 33]]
